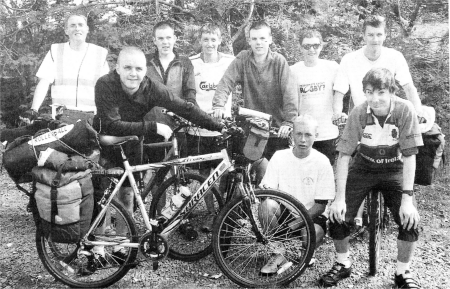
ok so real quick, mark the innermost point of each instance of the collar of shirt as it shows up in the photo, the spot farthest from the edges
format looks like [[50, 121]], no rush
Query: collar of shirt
[[202, 56], [269, 57]]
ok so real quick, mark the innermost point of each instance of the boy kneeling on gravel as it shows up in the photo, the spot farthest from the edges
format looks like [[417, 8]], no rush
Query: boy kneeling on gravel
[[388, 131]]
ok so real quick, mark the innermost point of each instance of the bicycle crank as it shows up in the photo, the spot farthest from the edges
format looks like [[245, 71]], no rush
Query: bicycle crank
[[154, 247]]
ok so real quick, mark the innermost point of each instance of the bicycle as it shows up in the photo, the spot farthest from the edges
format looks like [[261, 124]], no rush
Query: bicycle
[[77, 266], [170, 178], [375, 217]]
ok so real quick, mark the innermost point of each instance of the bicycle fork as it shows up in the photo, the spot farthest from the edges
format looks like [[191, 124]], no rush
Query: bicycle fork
[[247, 201]]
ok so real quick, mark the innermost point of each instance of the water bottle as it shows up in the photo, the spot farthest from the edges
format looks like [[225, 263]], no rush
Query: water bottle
[[176, 202]]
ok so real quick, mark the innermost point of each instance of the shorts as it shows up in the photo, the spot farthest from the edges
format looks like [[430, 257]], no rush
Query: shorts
[[286, 217], [274, 144], [199, 145], [327, 147], [359, 183]]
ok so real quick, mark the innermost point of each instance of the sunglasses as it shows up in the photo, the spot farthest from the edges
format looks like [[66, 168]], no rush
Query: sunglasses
[[308, 46]]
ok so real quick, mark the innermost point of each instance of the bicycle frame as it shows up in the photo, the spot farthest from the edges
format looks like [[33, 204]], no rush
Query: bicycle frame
[[150, 224]]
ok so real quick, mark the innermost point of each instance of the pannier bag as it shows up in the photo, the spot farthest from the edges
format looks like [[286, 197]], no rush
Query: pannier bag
[[23, 153], [257, 135], [430, 155], [65, 203]]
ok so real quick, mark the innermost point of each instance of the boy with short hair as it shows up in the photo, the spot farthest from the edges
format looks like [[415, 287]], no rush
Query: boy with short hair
[[307, 175], [315, 79], [267, 86], [209, 67], [384, 132], [174, 71]]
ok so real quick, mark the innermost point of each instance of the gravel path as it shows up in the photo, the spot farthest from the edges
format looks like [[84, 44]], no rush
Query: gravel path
[[20, 266]]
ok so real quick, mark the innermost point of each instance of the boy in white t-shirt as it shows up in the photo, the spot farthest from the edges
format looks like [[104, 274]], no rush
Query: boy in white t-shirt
[[304, 173], [209, 67], [315, 79]]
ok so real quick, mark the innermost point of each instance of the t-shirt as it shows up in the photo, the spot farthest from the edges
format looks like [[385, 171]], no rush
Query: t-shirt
[[207, 77], [380, 146], [306, 179], [355, 65], [315, 91]]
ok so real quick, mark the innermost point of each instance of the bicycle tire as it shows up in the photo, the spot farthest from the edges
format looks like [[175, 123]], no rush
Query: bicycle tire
[[375, 207], [240, 256], [64, 262], [179, 247]]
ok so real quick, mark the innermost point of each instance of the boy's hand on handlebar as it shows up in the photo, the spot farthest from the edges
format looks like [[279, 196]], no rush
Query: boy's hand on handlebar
[[284, 131], [339, 118], [163, 130]]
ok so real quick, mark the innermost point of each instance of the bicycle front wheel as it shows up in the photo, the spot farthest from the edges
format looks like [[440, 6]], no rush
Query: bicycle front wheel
[[79, 268], [181, 247], [375, 212], [239, 252]]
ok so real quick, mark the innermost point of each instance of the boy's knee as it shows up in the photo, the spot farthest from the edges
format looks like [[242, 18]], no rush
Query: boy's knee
[[259, 168], [268, 207]]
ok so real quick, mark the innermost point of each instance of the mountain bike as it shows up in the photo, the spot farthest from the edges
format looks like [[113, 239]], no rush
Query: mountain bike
[[194, 244], [77, 265]]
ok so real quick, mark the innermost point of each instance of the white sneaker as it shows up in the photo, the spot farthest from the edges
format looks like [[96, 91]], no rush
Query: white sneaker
[[274, 263]]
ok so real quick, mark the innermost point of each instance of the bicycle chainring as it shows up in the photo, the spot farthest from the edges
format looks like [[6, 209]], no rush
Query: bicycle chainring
[[153, 246]]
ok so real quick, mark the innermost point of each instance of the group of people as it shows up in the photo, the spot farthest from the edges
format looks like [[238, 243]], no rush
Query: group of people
[[377, 148]]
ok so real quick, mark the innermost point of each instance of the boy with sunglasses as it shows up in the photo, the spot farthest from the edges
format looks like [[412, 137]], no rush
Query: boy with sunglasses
[[315, 79]]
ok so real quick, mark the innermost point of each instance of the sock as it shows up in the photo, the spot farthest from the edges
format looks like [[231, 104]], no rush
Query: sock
[[99, 250], [402, 267], [343, 259], [358, 221]]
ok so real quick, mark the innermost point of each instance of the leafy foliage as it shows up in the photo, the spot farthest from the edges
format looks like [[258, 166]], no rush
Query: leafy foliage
[[28, 28]]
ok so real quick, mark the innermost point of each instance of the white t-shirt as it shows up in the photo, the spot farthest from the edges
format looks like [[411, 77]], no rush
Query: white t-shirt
[[306, 179], [207, 77], [72, 58], [355, 65], [315, 92]]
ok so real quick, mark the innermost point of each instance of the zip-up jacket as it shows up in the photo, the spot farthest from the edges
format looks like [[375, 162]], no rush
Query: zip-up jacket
[[120, 114], [179, 76]]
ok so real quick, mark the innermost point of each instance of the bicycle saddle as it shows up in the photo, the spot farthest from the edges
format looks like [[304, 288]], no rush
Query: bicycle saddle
[[109, 140]]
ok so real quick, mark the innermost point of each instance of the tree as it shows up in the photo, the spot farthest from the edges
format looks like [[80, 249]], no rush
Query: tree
[[28, 28]]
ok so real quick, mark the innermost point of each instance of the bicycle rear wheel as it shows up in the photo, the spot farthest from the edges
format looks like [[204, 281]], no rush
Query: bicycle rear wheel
[[375, 212], [67, 263], [239, 253], [180, 247]]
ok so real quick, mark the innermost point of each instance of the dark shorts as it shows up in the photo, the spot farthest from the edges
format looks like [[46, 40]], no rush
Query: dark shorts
[[274, 144], [327, 147], [286, 217], [202, 145], [359, 184]]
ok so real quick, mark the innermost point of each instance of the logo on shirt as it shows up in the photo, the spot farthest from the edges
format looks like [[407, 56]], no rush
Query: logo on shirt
[[394, 133], [308, 181], [367, 135], [207, 86], [312, 87]]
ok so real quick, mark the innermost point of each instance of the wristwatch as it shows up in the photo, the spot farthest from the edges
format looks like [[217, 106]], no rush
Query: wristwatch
[[409, 192]]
